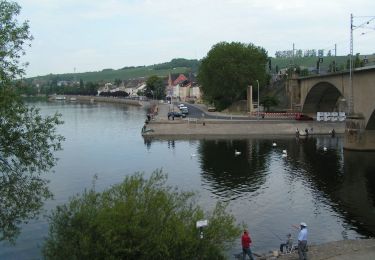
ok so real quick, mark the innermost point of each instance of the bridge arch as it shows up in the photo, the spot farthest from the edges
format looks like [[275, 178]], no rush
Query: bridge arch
[[322, 97]]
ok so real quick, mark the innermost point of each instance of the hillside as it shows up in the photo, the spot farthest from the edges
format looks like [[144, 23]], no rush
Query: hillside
[[109, 75], [181, 65]]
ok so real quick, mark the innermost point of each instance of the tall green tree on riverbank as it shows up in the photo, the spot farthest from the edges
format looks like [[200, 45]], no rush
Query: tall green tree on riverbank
[[138, 219], [228, 69], [27, 140], [155, 87]]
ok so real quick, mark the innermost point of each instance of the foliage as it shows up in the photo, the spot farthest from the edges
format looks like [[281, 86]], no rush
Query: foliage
[[269, 101], [155, 87], [27, 143], [137, 219], [12, 38], [227, 71], [27, 140], [178, 63]]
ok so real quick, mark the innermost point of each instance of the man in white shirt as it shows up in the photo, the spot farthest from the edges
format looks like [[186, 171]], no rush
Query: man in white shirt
[[302, 242]]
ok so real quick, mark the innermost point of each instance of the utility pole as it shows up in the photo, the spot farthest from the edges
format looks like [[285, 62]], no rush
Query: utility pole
[[351, 66], [293, 56], [334, 69]]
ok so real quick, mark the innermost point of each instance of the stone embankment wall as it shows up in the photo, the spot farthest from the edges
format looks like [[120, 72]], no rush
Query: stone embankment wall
[[238, 127], [105, 99]]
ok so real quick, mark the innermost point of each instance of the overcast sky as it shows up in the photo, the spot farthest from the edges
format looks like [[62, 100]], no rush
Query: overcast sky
[[91, 35]]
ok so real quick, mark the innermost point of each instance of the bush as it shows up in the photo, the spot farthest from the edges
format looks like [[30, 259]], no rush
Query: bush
[[137, 219]]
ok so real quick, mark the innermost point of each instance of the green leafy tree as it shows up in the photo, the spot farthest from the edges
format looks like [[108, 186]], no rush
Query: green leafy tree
[[138, 219], [228, 69], [117, 82], [27, 140], [155, 87], [269, 101]]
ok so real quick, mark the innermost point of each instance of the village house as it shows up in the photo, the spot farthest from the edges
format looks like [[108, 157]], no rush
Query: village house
[[182, 88]]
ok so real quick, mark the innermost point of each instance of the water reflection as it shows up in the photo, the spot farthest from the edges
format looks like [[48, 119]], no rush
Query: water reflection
[[228, 174], [316, 178], [356, 193]]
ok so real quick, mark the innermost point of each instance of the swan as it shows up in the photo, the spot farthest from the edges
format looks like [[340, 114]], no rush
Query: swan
[[274, 144], [325, 149], [284, 153], [237, 152]]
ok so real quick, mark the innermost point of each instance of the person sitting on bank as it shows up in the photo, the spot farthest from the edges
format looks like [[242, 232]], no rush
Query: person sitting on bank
[[288, 244]]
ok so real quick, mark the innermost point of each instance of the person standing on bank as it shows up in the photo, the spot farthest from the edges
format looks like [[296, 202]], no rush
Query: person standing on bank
[[302, 242], [246, 242]]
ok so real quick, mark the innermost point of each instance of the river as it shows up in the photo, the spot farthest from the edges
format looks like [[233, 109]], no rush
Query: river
[[332, 191]]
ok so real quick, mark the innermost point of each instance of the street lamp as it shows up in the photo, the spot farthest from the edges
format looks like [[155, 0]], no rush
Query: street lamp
[[258, 100]]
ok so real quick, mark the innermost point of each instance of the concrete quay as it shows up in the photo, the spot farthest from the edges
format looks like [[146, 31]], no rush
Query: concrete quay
[[238, 126], [199, 127]]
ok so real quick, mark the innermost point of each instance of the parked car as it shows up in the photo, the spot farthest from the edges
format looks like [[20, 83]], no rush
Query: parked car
[[175, 114], [303, 117], [184, 110]]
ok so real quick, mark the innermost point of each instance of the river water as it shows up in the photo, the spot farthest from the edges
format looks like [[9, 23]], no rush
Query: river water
[[332, 191]]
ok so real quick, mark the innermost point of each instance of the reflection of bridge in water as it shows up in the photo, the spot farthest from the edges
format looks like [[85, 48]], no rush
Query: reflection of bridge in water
[[332, 92]]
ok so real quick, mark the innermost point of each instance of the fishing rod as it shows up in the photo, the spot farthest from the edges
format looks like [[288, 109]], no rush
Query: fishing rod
[[276, 235]]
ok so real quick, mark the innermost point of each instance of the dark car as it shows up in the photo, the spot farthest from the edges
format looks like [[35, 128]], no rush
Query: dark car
[[184, 111], [175, 114], [303, 117]]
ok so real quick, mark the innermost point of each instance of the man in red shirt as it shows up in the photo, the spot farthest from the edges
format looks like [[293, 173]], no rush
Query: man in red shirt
[[246, 242]]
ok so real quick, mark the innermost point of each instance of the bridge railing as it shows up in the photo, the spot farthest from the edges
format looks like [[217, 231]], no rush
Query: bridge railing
[[280, 115]]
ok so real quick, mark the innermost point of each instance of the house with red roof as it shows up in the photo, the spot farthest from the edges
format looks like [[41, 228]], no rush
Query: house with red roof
[[182, 87]]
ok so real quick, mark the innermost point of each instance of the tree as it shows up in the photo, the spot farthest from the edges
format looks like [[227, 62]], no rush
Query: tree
[[155, 87], [117, 82], [13, 37], [138, 219], [27, 140], [228, 69], [269, 101]]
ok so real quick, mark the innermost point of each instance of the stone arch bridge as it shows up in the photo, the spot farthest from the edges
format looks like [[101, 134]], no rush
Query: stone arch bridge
[[332, 92]]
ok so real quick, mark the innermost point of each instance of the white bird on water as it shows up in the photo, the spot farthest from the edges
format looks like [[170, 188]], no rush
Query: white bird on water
[[237, 152], [274, 144], [325, 149], [284, 153]]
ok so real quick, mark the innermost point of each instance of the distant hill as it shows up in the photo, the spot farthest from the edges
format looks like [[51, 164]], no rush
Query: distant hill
[[109, 75], [181, 65]]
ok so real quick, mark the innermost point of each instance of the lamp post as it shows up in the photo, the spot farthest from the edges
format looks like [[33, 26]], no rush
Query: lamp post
[[258, 101]]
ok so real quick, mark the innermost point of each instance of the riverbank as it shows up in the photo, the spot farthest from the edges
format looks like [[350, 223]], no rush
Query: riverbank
[[74, 98], [344, 250]]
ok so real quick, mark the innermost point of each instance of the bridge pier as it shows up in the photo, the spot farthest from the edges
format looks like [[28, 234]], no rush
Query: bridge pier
[[360, 140]]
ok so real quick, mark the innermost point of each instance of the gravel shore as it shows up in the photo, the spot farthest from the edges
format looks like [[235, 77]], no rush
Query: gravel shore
[[345, 249]]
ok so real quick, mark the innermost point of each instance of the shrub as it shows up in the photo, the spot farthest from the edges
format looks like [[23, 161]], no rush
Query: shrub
[[137, 219]]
